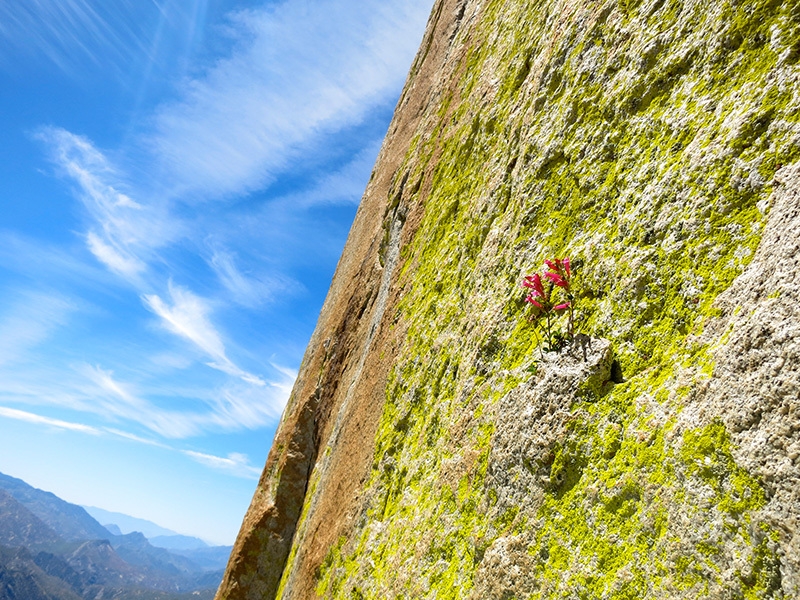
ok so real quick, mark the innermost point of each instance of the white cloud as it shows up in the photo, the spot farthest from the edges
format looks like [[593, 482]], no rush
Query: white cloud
[[169, 361], [53, 27], [118, 261], [254, 406], [289, 375], [124, 233], [30, 321], [347, 184], [246, 289], [59, 266], [118, 401], [234, 464], [170, 410], [344, 186], [135, 438], [21, 415], [125, 402], [187, 317], [231, 407], [126, 39], [299, 71]]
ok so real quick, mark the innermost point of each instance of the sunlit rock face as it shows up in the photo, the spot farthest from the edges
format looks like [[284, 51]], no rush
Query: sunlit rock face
[[433, 448]]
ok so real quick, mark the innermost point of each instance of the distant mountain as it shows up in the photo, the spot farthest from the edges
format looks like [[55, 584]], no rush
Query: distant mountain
[[49, 577], [19, 527], [69, 521], [98, 563], [137, 551], [208, 558], [128, 524], [177, 542], [53, 550], [22, 579], [211, 559]]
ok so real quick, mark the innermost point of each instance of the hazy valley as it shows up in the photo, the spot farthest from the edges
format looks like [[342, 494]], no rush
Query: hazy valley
[[53, 550]]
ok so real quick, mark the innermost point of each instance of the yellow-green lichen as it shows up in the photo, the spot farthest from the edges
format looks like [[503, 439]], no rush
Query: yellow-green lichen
[[613, 524], [648, 158]]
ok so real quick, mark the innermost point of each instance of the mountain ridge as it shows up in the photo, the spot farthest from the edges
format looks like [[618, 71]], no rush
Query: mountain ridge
[[129, 524], [20, 527], [45, 555], [70, 521]]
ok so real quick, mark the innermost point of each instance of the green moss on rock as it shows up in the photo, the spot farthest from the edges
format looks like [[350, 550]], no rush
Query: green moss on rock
[[615, 531], [640, 139]]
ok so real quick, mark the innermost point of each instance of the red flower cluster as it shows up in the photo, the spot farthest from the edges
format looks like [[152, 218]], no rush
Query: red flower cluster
[[559, 272], [546, 302], [559, 276]]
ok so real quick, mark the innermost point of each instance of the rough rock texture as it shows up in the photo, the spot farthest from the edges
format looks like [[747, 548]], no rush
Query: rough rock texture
[[755, 387], [431, 450]]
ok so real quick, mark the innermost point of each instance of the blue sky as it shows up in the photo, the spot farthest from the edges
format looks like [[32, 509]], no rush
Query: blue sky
[[177, 180]]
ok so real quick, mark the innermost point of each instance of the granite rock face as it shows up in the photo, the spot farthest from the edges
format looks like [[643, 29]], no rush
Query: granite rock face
[[432, 448]]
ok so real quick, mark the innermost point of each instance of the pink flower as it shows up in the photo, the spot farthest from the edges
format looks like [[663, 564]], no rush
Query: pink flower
[[543, 298], [557, 279], [534, 282], [560, 266], [536, 303]]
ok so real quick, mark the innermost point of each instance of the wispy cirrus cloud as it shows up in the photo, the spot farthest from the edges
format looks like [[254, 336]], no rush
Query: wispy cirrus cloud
[[235, 463], [123, 233], [58, 29], [236, 404], [125, 38], [342, 186], [136, 438], [247, 289], [231, 407], [297, 73], [39, 261], [187, 316], [117, 401], [29, 321], [28, 417], [117, 259]]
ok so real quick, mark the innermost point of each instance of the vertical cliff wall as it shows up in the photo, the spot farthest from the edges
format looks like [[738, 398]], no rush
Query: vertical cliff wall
[[430, 449]]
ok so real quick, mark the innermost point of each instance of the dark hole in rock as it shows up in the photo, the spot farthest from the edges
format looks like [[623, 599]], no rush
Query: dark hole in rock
[[616, 372]]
